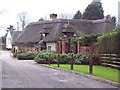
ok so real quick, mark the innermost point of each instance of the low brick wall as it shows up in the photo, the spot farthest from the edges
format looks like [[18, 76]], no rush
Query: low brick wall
[[90, 49], [78, 48]]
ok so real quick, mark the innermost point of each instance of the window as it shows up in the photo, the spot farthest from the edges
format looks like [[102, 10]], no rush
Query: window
[[43, 34], [49, 48]]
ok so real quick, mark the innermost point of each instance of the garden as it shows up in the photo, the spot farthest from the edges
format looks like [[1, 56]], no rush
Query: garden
[[80, 63], [107, 60]]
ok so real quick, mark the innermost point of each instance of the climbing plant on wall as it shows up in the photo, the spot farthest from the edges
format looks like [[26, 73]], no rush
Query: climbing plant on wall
[[87, 39]]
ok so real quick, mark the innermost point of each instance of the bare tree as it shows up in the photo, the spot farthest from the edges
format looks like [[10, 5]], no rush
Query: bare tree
[[23, 17]]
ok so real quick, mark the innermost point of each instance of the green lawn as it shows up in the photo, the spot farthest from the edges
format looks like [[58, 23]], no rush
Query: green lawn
[[98, 71]]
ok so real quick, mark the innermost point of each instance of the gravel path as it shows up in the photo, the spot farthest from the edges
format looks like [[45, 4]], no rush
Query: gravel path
[[28, 74]]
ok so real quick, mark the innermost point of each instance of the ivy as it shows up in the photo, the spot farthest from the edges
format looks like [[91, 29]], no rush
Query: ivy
[[87, 39]]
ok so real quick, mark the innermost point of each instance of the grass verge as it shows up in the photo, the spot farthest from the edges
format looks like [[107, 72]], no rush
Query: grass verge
[[98, 71]]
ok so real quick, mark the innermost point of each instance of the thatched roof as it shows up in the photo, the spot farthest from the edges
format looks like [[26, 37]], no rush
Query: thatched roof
[[14, 34], [57, 28]]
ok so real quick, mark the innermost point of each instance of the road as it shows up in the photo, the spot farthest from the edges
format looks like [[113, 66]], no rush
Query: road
[[29, 74]]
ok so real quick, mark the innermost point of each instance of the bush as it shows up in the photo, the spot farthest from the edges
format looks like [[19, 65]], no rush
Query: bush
[[65, 58], [26, 56], [12, 50], [17, 52], [81, 59], [43, 57]]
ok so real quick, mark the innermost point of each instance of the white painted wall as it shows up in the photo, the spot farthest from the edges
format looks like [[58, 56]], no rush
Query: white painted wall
[[9, 41], [53, 46]]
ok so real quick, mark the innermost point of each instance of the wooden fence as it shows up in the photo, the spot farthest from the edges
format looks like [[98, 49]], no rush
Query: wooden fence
[[111, 60]]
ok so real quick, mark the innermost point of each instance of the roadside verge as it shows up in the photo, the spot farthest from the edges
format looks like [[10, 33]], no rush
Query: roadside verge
[[86, 75]]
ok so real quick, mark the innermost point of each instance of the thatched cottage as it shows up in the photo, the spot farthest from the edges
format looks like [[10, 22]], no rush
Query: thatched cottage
[[43, 34], [10, 37]]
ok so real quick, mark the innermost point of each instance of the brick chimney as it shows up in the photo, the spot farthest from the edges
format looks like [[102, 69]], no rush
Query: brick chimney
[[108, 18], [53, 16]]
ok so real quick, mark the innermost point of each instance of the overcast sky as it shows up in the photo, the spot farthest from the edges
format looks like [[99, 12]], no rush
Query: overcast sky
[[36, 9]]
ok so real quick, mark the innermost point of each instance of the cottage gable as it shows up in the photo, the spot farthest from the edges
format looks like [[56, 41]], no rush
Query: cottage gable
[[11, 36]]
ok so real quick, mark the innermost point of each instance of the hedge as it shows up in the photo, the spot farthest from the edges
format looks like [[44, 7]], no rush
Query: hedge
[[26, 56], [109, 43]]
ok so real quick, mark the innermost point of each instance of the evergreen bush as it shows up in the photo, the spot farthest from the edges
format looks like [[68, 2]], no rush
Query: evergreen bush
[[65, 58], [13, 48], [17, 52], [26, 56], [43, 57]]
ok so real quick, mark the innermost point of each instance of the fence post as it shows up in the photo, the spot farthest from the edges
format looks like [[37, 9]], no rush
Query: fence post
[[58, 59], [72, 61], [49, 59], [90, 62]]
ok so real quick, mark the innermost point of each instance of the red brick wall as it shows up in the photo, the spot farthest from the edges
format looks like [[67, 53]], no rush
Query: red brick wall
[[60, 47], [87, 50], [64, 46], [74, 48], [84, 51]]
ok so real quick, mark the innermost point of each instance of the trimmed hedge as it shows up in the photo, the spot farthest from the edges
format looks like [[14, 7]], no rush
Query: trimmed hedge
[[26, 56], [109, 43]]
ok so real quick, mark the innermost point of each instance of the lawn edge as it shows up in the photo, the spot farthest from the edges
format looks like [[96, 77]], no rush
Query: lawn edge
[[86, 75]]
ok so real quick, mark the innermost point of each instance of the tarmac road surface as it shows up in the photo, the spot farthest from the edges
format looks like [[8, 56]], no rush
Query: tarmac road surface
[[29, 74]]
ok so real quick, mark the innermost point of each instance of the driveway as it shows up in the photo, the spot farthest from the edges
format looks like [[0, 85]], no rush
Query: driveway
[[29, 74]]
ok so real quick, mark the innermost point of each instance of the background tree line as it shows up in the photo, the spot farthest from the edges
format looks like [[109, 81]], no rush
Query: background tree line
[[93, 11]]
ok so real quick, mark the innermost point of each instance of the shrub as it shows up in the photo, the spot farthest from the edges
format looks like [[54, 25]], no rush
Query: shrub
[[81, 59], [65, 58], [43, 57], [16, 53], [12, 50], [26, 56]]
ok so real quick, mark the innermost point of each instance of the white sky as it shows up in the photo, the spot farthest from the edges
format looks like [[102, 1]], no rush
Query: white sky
[[42, 8]]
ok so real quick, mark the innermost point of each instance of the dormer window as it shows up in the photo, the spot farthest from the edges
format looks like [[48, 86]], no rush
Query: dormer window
[[43, 34], [67, 30]]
